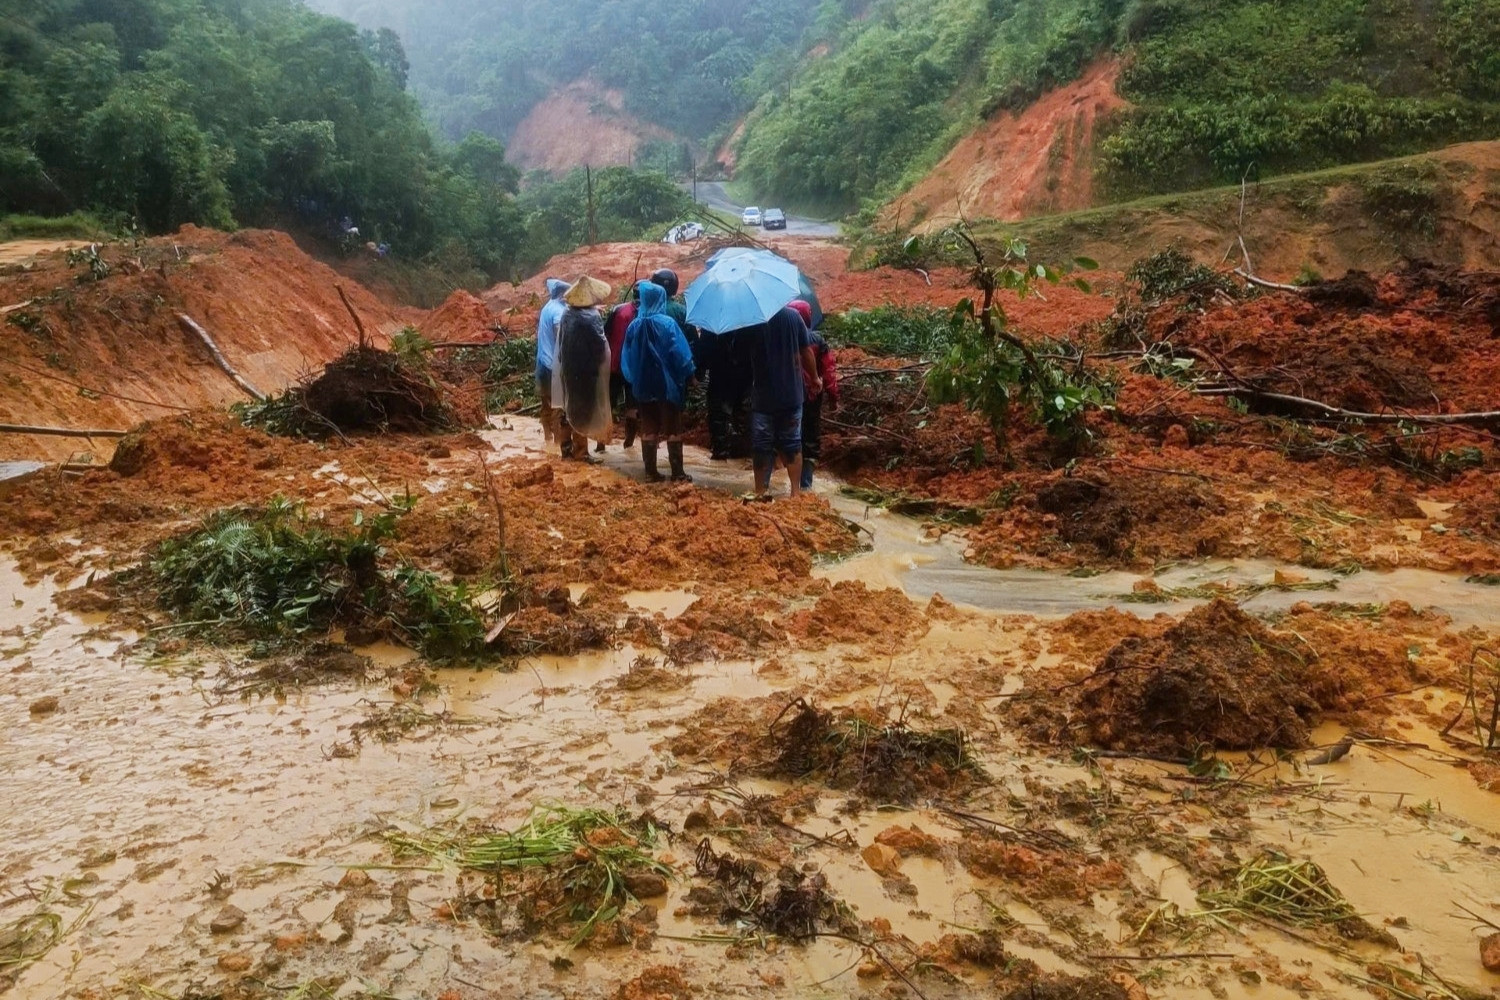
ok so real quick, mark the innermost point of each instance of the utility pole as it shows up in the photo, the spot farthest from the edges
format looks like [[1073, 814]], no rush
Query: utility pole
[[588, 176], [695, 180]]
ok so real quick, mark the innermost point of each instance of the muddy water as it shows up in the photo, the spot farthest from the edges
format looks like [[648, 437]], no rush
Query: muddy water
[[902, 555], [128, 799]]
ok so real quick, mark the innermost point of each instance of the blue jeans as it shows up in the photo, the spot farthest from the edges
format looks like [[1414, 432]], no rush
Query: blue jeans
[[773, 434]]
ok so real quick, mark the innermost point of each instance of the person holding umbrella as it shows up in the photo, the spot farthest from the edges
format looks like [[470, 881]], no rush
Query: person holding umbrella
[[658, 365], [748, 294]]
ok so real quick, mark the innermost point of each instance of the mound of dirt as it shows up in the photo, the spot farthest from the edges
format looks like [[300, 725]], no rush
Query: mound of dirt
[[274, 312], [1219, 678], [1112, 514], [367, 389], [463, 318], [1420, 339], [865, 752], [849, 612]]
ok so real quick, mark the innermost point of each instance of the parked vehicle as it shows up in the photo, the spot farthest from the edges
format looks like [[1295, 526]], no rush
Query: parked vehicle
[[684, 233], [774, 218], [750, 216]]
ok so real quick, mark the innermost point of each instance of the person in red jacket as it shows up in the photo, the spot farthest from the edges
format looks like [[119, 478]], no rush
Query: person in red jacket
[[816, 402], [620, 396]]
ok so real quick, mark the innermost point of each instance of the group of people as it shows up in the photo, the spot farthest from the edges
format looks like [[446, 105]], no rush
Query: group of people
[[641, 357]]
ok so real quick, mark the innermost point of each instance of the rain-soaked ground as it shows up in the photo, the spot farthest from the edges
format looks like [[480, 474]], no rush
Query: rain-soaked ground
[[147, 783]]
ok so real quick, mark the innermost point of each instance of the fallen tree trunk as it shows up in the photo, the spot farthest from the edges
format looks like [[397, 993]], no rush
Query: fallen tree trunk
[[60, 431], [218, 356], [1485, 418]]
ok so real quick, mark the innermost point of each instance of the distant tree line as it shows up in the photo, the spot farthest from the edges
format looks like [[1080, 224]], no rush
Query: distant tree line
[[247, 112]]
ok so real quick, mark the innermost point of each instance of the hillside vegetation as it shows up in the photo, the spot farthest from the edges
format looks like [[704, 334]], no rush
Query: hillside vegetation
[[157, 113], [1218, 90], [689, 66], [154, 113]]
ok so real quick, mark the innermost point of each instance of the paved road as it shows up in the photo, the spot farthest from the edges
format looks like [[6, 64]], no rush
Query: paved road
[[711, 193]]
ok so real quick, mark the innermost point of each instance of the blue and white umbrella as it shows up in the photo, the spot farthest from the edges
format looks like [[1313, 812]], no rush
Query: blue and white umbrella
[[741, 290], [808, 294]]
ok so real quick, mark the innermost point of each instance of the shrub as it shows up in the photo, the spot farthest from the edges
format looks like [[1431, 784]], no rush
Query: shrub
[[275, 574]]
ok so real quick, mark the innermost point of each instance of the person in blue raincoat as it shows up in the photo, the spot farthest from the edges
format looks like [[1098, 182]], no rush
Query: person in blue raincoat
[[658, 364], [546, 351]]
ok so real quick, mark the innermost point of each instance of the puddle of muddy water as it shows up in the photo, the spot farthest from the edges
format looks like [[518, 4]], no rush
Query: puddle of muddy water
[[156, 784]]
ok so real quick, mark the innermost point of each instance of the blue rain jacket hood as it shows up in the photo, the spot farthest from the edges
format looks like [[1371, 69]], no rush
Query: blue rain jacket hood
[[546, 325], [656, 361]]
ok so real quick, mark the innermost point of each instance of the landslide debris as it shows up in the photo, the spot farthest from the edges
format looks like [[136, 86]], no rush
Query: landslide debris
[[860, 749], [368, 390], [1217, 679]]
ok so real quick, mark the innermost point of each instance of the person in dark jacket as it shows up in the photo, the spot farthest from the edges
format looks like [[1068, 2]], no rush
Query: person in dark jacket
[[658, 364], [816, 403], [781, 358], [620, 397]]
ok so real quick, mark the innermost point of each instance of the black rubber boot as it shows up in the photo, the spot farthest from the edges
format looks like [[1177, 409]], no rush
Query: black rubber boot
[[648, 455], [631, 426], [674, 455]]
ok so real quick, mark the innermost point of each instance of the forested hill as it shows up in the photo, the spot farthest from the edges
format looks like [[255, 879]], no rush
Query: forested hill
[[688, 66], [1218, 90], [223, 112]]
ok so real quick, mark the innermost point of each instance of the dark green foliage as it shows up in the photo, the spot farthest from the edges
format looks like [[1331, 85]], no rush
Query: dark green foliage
[[509, 373], [238, 112], [628, 205], [278, 575], [1261, 86], [893, 331], [1172, 274]]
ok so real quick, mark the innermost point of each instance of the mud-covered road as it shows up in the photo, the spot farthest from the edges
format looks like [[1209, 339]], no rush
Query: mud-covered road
[[713, 194], [181, 829]]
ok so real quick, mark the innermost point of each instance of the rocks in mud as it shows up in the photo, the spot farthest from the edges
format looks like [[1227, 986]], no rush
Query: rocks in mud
[[1489, 952], [882, 859], [1218, 678], [1108, 514], [536, 475], [45, 706], [645, 885], [228, 919]]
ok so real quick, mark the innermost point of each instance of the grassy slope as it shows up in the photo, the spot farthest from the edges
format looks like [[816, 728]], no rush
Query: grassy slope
[[1221, 89], [1442, 206]]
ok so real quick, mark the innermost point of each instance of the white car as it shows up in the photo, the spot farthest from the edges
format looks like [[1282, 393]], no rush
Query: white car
[[684, 233], [750, 216]]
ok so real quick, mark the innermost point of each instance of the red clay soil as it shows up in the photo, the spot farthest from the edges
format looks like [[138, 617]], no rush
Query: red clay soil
[[645, 538], [582, 124], [825, 263], [463, 318], [1175, 476], [274, 312], [1423, 339], [1037, 162]]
